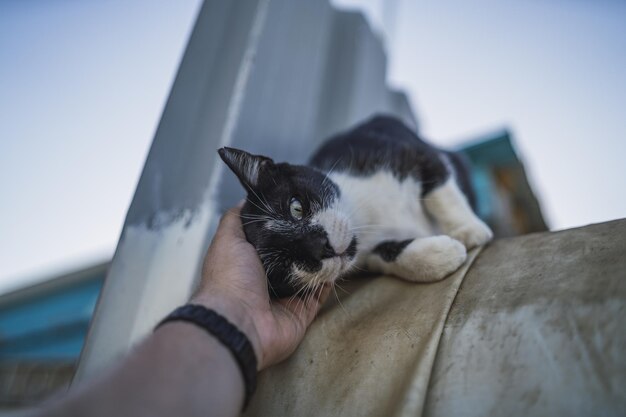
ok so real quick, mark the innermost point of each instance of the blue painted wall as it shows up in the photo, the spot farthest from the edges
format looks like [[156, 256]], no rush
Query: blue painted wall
[[49, 326], [484, 155]]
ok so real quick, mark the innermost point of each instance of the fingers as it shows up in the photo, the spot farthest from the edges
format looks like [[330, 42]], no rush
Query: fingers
[[232, 256], [315, 303], [325, 293], [305, 309], [230, 223]]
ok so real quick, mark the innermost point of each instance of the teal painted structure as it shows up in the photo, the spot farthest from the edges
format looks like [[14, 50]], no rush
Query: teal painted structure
[[49, 321], [485, 154], [504, 197]]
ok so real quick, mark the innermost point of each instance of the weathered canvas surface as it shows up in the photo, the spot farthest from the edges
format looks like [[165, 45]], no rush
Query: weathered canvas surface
[[369, 353], [538, 329], [529, 326]]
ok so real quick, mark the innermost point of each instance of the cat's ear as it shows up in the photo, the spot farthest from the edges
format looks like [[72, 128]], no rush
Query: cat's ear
[[245, 165]]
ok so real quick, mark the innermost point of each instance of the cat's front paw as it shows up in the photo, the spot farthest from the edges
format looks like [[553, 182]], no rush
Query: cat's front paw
[[473, 234], [433, 258]]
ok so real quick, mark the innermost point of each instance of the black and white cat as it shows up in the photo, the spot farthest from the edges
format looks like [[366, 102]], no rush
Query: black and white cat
[[377, 197]]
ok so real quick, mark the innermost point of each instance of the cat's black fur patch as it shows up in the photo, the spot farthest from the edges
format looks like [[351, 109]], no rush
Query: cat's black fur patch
[[301, 244], [389, 250], [386, 142], [351, 251], [269, 192]]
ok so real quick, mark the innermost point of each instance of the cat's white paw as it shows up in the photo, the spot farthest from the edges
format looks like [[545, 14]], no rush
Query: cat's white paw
[[473, 234], [431, 259]]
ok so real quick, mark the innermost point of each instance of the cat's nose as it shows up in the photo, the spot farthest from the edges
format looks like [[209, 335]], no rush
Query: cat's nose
[[320, 247], [328, 251]]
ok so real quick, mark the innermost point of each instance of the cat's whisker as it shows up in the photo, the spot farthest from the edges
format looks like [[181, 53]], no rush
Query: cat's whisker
[[365, 226], [252, 221], [367, 232], [358, 205], [358, 268], [255, 216], [271, 287], [267, 204], [292, 300], [330, 171], [295, 296], [260, 208], [269, 269], [244, 219], [369, 224], [268, 208], [307, 299], [339, 301], [341, 288], [262, 200], [317, 290], [313, 286]]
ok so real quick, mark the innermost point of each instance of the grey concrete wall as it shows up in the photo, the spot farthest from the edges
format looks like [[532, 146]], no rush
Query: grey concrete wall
[[354, 82], [173, 213], [279, 111], [269, 76], [320, 71], [195, 122]]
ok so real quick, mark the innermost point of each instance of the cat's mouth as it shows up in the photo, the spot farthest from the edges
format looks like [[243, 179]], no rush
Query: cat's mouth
[[342, 262], [331, 268], [348, 254], [335, 267]]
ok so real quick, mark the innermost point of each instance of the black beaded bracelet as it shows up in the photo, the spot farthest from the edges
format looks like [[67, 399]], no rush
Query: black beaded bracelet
[[227, 333]]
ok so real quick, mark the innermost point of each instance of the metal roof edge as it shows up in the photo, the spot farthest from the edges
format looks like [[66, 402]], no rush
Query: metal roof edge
[[61, 280]]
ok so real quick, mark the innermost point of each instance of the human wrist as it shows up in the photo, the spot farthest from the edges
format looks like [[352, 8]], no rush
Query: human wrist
[[237, 313], [227, 333], [199, 356]]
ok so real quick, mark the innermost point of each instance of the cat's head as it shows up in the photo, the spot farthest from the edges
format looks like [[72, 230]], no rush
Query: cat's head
[[292, 216]]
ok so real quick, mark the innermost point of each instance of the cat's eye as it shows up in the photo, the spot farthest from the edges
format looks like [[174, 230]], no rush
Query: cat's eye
[[295, 208]]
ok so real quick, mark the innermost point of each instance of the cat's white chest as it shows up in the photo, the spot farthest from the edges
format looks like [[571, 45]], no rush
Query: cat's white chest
[[382, 208]]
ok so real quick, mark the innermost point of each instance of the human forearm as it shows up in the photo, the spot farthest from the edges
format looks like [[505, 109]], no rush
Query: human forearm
[[178, 370], [182, 370]]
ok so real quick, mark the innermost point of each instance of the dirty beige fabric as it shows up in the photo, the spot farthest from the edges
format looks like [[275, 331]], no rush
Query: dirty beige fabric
[[538, 329], [370, 353]]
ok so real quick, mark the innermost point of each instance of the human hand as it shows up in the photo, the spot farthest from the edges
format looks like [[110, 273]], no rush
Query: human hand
[[234, 284]]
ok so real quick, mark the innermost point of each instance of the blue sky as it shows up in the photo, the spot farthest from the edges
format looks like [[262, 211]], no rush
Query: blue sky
[[83, 85], [553, 71]]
